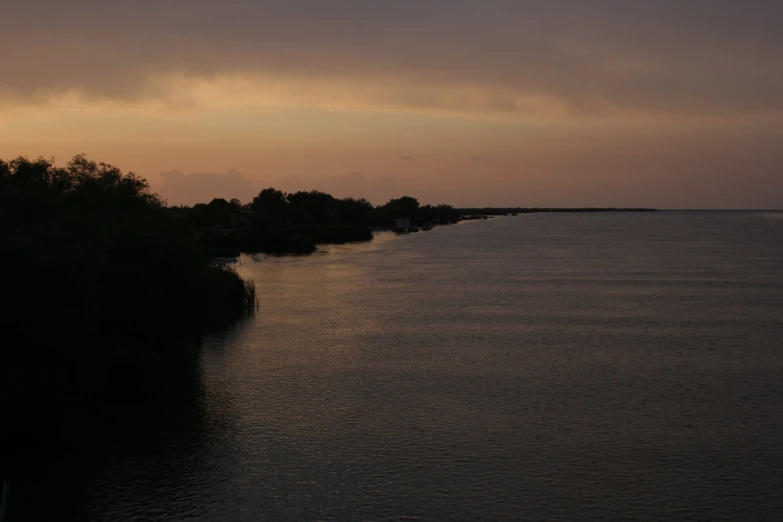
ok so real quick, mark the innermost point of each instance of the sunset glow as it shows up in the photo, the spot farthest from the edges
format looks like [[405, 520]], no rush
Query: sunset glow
[[664, 104]]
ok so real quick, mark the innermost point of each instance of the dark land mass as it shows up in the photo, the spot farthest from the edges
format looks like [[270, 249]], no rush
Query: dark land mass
[[279, 223], [105, 296]]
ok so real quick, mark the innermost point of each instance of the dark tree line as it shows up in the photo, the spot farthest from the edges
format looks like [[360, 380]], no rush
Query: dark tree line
[[100, 287], [276, 222]]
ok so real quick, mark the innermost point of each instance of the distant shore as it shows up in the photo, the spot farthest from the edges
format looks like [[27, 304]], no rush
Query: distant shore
[[284, 224], [507, 211]]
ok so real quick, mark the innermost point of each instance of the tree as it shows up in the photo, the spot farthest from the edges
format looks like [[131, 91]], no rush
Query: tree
[[270, 207], [352, 211], [120, 281], [406, 204], [312, 208]]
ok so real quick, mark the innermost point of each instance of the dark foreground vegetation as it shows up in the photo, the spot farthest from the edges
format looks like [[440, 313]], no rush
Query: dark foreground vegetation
[[279, 223], [103, 293]]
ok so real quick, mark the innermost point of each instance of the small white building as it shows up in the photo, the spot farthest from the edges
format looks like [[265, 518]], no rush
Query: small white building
[[403, 224]]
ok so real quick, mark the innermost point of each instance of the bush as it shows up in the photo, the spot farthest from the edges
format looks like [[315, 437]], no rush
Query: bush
[[101, 286]]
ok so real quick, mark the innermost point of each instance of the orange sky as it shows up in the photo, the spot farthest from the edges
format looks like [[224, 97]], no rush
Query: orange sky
[[534, 103]]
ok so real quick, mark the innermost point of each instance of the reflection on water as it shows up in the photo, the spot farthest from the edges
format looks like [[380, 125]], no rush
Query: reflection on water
[[533, 367]]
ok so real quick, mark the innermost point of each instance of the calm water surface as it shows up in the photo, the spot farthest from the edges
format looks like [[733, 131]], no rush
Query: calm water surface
[[540, 367]]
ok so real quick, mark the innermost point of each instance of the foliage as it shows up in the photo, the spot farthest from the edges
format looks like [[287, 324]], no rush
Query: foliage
[[270, 208], [294, 223], [98, 277]]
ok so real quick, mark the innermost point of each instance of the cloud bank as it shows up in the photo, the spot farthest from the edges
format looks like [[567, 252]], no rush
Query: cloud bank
[[520, 58]]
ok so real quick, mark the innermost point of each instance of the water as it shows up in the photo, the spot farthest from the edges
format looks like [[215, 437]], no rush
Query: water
[[540, 367]]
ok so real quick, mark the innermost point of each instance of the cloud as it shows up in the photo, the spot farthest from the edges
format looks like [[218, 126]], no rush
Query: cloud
[[571, 57]]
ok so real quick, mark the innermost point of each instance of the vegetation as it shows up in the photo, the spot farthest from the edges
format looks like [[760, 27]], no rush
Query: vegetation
[[280, 223], [101, 285]]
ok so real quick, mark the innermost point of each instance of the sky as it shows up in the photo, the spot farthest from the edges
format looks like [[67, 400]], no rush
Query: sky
[[664, 103]]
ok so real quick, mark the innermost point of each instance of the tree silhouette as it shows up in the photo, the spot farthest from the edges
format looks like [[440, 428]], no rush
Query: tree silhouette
[[100, 284], [270, 207]]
